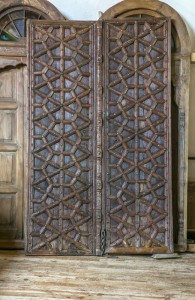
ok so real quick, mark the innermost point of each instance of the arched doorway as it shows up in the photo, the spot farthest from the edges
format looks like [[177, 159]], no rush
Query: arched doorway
[[180, 75], [13, 99]]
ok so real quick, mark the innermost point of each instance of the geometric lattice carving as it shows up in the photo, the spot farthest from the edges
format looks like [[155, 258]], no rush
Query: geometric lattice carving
[[61, 136], [139, 205], [70, 210]]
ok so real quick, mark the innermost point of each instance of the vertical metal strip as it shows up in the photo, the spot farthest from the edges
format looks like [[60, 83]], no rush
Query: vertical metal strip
[[98, 84], [136, 82], [60, 240], [105, 175], [31, 142]]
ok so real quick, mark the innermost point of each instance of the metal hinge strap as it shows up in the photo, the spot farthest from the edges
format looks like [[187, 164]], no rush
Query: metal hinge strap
[[103, 241]]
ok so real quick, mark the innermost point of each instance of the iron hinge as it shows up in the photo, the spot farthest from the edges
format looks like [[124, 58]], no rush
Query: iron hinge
[[103, 241]]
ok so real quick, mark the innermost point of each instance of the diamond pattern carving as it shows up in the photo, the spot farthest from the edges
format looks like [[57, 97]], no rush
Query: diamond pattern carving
[[137, 141], [61, 115]]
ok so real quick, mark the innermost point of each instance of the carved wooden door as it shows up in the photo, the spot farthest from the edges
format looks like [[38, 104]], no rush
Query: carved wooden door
[[99, 159], [11, 155], [137, 149], [62, 131]]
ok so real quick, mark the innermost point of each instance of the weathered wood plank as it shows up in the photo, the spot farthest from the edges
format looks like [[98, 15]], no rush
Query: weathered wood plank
[[126, 277], [15, 244]]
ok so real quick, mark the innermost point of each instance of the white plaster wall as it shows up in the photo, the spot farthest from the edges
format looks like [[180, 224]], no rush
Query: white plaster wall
[[88, 10]]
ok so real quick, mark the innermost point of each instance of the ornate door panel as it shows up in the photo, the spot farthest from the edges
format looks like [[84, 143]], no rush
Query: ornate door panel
[[137, 137], [11, 156], [79, 202], [62, 207]]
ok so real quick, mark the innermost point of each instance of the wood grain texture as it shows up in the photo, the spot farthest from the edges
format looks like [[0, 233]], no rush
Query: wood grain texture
[[6, 171], [11, 154], [121, 278], [191, 206], [7, 122]]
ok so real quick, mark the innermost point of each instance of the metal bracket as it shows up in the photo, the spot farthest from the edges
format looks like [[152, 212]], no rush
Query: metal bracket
[[103, 241]]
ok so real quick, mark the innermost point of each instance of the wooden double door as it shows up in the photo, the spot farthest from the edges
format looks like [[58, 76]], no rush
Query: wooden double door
[[99, 178]]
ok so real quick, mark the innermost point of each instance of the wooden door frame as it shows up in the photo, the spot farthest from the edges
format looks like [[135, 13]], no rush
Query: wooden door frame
[[180, 79]]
